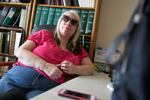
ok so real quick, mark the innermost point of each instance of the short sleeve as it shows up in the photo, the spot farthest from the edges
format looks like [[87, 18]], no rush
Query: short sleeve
[[83, 53], [40, 37]]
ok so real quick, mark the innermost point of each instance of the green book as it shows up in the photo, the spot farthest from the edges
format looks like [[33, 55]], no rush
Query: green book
[[83, 20], [44, 16], [10, 18], [58, 13], [37, 16], [5, 42], [86, 43], [79, 12], [51, 14], [89, 24], [64, 9], [4, 13]]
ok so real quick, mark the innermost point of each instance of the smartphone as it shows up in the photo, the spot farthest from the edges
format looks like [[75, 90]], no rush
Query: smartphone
[[76, 95]]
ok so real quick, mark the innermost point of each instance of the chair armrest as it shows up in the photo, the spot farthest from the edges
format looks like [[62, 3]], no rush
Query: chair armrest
[[9, 63]]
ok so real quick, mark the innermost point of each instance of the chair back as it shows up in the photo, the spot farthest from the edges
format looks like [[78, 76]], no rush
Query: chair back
[[50, 28]]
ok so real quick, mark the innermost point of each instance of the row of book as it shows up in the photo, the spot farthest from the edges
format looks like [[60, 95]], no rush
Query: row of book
[[10, 41], [81, 3], [13, 16], [50, 16]]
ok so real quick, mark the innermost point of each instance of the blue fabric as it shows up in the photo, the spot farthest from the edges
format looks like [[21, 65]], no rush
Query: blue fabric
[[26, 79]]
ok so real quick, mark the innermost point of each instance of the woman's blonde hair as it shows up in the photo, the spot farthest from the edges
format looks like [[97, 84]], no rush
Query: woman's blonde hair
[[74, 41]]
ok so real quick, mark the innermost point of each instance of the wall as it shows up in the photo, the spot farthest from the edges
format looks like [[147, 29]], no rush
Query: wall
[[114, 16]]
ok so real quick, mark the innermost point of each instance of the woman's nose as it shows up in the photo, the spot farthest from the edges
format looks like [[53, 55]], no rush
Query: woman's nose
[[68, 22]]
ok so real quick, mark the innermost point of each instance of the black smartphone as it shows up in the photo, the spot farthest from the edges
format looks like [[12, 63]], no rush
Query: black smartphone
[[76, 95]]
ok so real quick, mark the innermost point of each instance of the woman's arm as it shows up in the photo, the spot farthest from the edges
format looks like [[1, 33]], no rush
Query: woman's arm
[[25, 56], [86, 67]]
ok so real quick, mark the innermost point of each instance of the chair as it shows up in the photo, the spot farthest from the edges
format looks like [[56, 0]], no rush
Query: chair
[[7, 58]]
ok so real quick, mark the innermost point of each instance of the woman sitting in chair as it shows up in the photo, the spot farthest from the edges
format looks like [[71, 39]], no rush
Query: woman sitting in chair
[[48, 59]]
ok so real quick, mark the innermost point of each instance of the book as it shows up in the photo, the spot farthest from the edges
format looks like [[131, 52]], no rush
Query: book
[[79, 12], [23, 18], [67, 2], [81, 3], [58, 13], [12, 42], [83, 20], [15, 19], [37, 16], [51, 14], [44, 16], [10, 18], [5, 42], [89, 25], [18, 40], [75, 2], [64, 9], [85, 41], [4, 13]]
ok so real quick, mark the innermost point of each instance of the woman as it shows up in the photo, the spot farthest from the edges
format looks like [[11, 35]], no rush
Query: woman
[[46, 60]]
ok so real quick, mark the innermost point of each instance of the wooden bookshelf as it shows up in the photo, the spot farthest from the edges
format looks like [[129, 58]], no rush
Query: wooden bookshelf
[[21, 5], [96, 8]]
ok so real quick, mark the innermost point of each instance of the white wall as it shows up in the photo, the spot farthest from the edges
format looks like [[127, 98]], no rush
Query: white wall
[[114, 16]]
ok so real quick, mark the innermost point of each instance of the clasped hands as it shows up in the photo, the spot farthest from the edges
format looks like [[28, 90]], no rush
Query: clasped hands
[[55, 71]]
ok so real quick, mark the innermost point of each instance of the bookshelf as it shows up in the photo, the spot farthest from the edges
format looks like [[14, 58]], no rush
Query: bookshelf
[[92, 36], [11, 36], [26, 6]]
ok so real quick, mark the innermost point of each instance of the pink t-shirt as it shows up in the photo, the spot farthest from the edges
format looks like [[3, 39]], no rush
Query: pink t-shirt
[[48, 50]]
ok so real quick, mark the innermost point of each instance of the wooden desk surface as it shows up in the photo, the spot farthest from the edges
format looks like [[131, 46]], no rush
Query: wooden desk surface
[[94, 84]]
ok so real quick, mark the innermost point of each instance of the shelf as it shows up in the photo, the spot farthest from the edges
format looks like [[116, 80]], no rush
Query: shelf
[[11, 28], [13, 4], [59, 6]]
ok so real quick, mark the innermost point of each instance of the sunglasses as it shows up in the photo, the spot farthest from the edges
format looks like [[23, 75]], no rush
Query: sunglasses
[[72, 21]]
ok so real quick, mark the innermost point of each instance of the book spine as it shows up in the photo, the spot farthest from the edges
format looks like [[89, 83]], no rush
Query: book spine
[[67, 2], [83, 20], [89, 25], [37, 16], [64, 9], [23, 18], [79, 12], [9, 16], [5, 42], [51, 14], [58, 13], [16, 17], [17, 41], [12, 42], [44, 16], [4, 14], [76, 3], [87, 42]]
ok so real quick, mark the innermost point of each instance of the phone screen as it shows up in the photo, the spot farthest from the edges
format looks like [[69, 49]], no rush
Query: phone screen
[[77, 94]]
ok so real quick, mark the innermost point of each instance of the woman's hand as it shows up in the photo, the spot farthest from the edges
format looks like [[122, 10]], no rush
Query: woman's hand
[[68, 67], [52, 71]]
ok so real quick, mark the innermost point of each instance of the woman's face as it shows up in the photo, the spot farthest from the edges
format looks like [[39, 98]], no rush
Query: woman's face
[[68, 25]]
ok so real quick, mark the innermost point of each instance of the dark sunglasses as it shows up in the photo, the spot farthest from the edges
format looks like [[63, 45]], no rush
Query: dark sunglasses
[[72, 21]]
